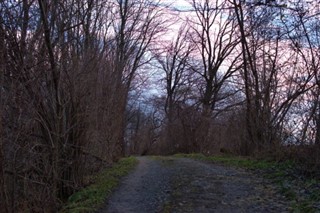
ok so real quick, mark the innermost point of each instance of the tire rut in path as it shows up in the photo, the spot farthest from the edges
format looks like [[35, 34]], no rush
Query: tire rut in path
[[168, 184]]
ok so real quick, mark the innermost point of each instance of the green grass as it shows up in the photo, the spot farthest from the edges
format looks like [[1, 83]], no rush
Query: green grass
[[232, 161], [284, 174], [94, 196], [167, 207]]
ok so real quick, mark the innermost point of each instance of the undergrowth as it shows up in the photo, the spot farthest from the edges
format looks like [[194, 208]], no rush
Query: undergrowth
[[303, 192], [92, 197]]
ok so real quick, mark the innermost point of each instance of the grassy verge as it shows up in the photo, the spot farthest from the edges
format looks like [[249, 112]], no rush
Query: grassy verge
[[302, 191], [231, 161], [94, 196]]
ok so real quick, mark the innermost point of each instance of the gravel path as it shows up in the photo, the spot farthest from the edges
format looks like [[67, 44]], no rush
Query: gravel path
[[168, 184]]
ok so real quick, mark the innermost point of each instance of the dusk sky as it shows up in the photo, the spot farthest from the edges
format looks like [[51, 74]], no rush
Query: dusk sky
[[179, 4]]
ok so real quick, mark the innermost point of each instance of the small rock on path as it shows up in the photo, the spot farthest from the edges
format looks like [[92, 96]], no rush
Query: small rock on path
[[169, 184]]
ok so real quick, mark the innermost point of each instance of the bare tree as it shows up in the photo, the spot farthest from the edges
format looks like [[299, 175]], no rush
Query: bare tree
[[213, 31], [304, 37], [175, 64], [3, 196], [272, 83], [54, 53]]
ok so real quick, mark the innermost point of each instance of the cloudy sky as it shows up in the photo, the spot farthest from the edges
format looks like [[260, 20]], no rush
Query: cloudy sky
[[178, 4]]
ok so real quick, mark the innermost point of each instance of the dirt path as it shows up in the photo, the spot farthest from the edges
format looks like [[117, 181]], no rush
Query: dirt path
[[184, 185]]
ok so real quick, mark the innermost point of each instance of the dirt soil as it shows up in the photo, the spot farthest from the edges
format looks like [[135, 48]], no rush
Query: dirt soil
[[169, 184]]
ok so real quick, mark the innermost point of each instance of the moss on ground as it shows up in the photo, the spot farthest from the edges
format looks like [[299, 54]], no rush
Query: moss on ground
[[303, 192], [92, 197]]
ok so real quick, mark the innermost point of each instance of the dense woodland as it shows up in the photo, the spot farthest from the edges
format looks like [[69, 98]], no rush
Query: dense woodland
[[85, 82]]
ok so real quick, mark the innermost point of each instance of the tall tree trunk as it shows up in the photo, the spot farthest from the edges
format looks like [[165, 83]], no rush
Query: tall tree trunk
[[317, 138], [3, 197]]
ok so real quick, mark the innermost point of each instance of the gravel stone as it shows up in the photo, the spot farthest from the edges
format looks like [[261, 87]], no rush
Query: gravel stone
[[181, 185]]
